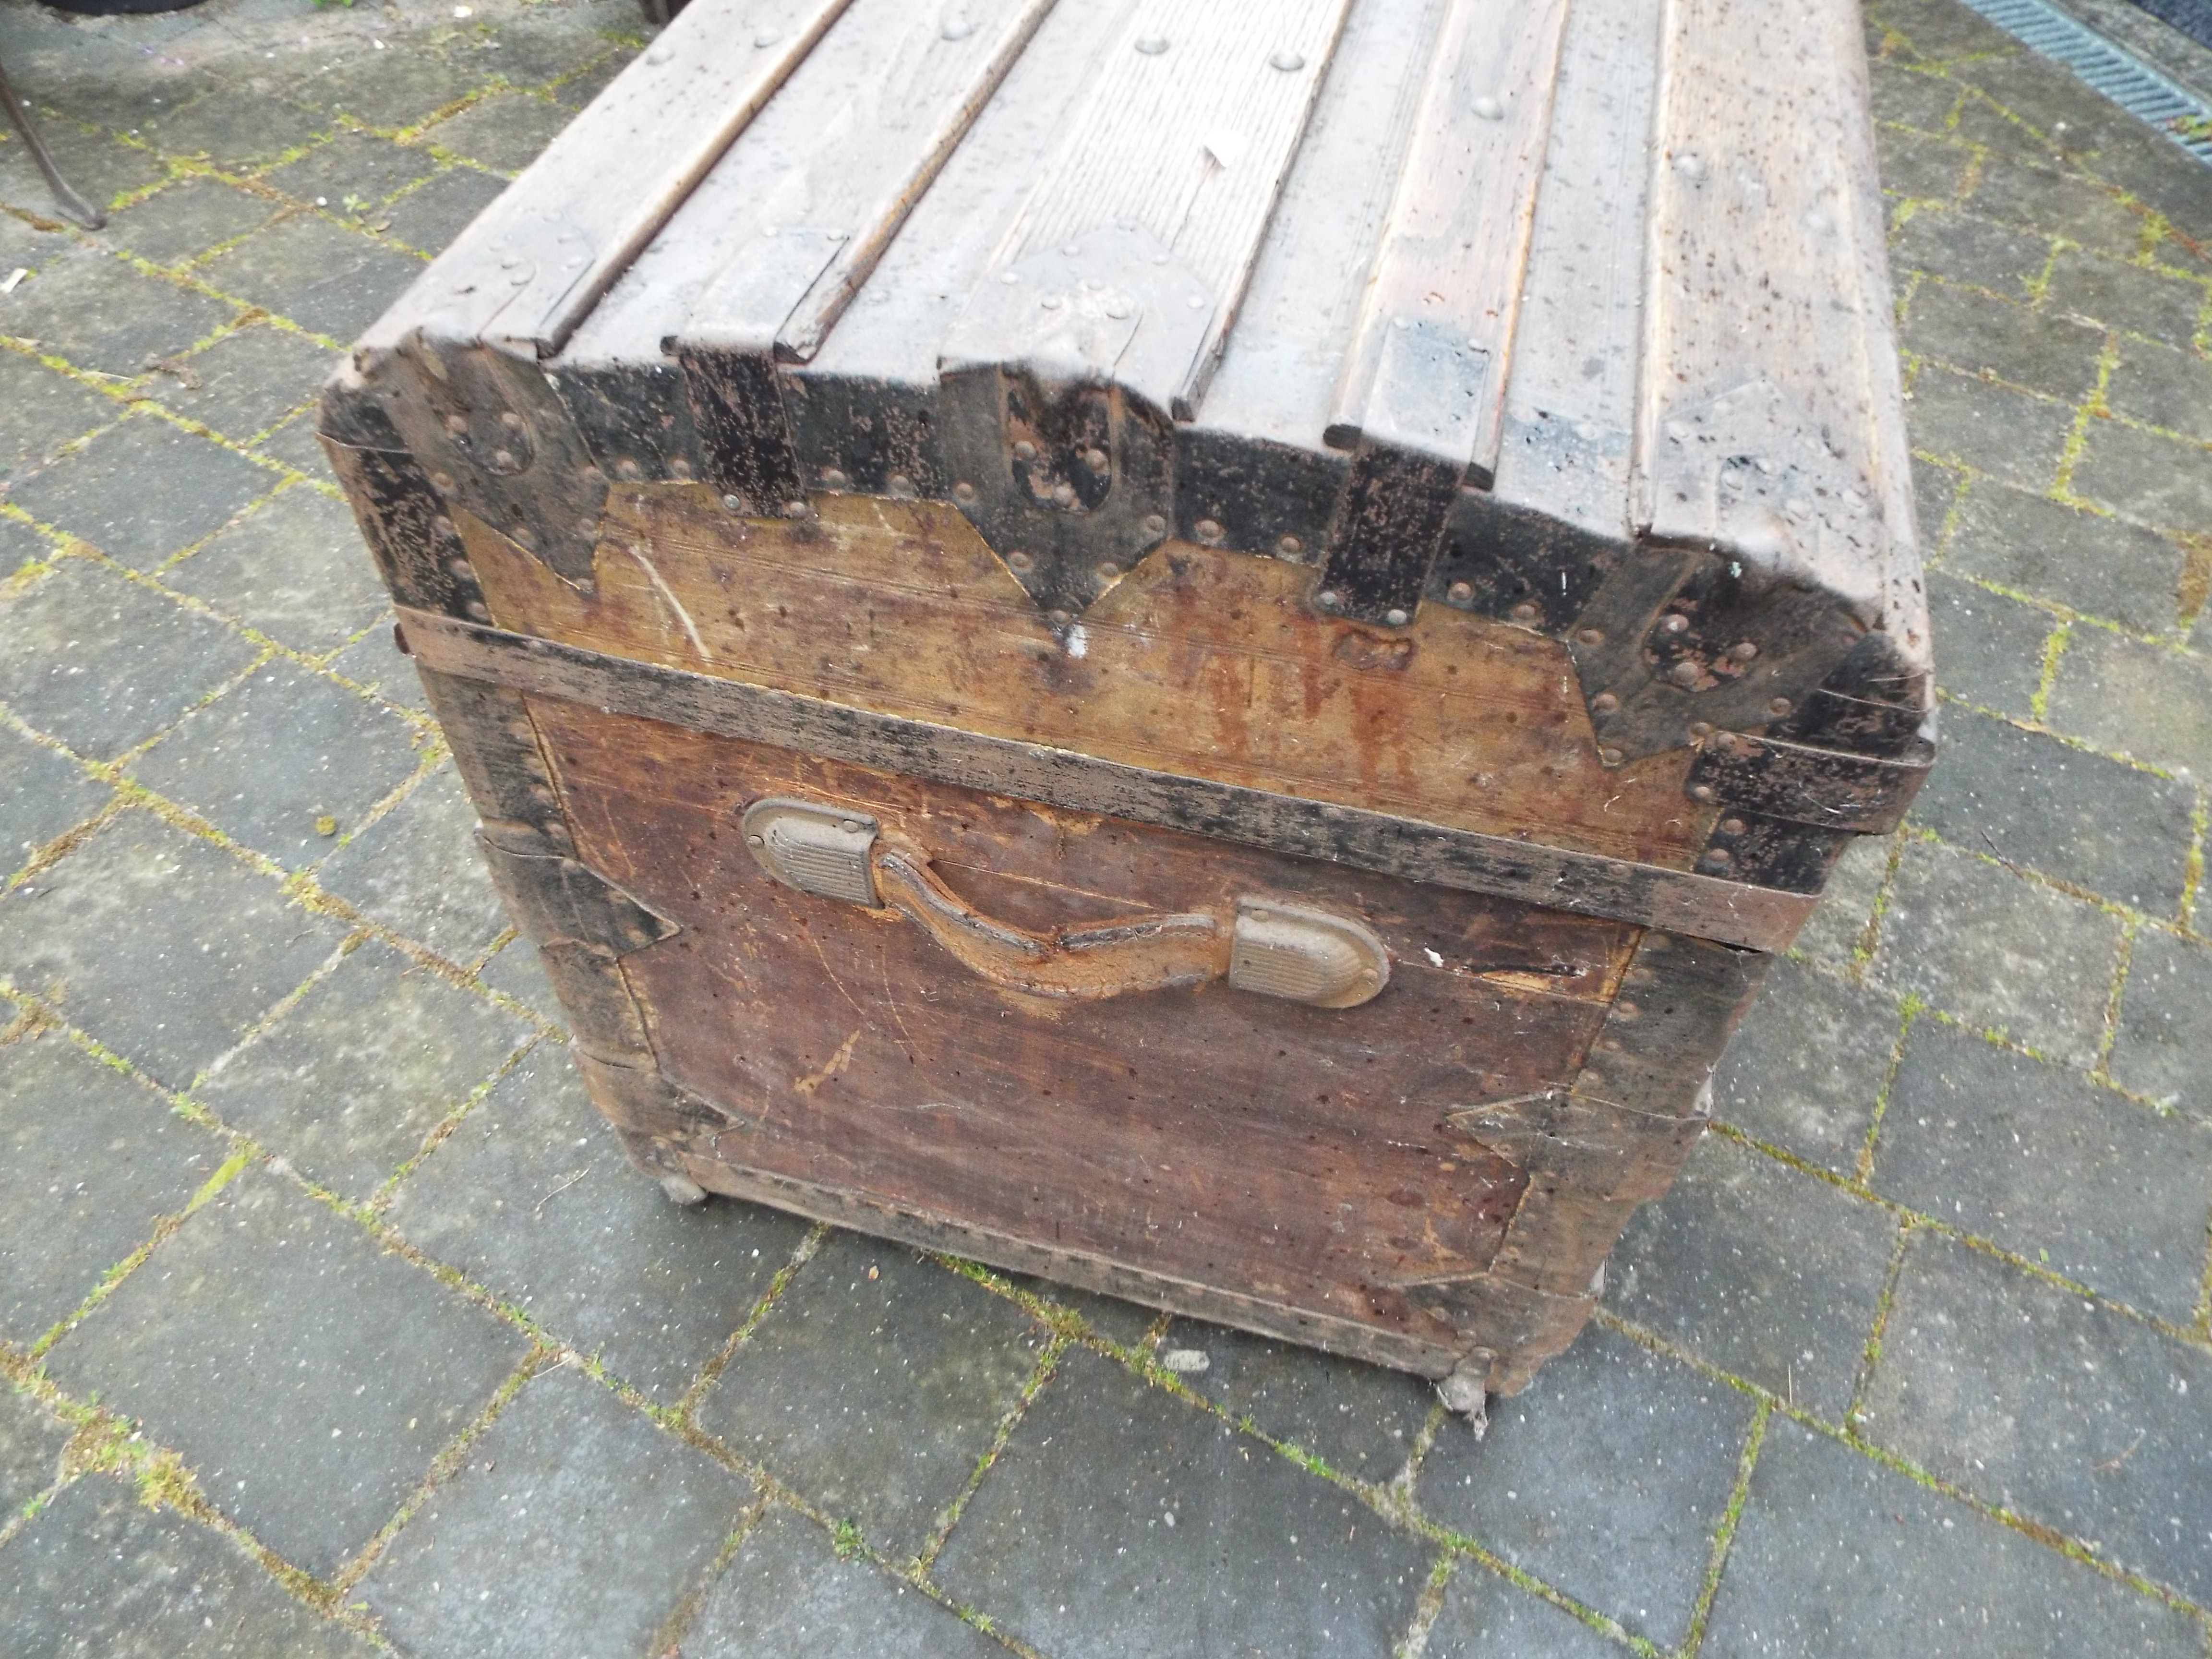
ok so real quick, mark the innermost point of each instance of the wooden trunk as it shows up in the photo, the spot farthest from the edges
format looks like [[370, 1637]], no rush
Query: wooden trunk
[[1198, 650]]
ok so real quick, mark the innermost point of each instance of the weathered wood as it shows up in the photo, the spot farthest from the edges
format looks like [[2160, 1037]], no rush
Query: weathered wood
[[1571, 391], [540, 257], [1170, 1131], [1200, 663], [775, 242], [1186, 133], [1427, 367], [1771, 426], [1728, 910], [1421, 389]]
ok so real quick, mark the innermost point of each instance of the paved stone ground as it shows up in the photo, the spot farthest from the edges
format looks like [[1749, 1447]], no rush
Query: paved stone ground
[[330, 1321]]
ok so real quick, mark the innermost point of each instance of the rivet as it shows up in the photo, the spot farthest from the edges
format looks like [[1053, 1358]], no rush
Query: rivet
[[902, 486], [1460, 593], [1719, 857], [1685, 672], [735, 503], [456, 424], [1609, 756], [442, 525], [1095, 459], [626, 469], [963, 491], [1701, 728], [1595, 1080], [753, 841], [1625, 1010], [1064, 494], [502, 460], [1604, 703], [1026, 451], [1702, 793], [1058, 618], [511, 420], [1010, 278], [1743, 650], [850, 826], [1196, 301], [1610, 1045], [1018, 561], [1289, 546], [1489, 109], [1108, 570], [1689, 166], [1152, 44], [587, 528], [1286, 61], [1154, 525], [1051, 301], [1778, 706], [680, 468], [477, 608], [1209, 530], [794, 509], [524, 537], [834, 478], [1118, 307], [1673, 622], [1731, 826], [1396, 616], [957, 28], [1326, 598], [768, 37], [462, 568], [443, 481], [1525, 612], [1592, 637]]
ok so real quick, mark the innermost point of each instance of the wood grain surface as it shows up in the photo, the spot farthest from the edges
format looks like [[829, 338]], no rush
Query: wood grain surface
[[1206, 1133], [1199, 662]]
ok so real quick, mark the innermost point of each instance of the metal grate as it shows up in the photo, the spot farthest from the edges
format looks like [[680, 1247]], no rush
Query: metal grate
[[2119, 76]]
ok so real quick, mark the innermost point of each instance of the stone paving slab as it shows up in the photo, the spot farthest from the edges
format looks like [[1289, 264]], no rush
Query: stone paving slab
[[292, 1143]]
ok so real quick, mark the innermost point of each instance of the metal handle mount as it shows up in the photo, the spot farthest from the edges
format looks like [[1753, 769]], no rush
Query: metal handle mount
[[1287, 951]]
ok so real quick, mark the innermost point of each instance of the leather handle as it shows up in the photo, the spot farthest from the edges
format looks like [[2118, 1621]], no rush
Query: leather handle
[[1079, 962], [1271, 948]]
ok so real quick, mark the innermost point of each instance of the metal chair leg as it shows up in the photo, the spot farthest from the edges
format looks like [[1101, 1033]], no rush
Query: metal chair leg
[[71, 204]]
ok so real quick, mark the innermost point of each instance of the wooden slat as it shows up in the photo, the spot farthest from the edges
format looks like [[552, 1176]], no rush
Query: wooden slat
[[1310, 277], [542, 255], [1419, 396], [1427, 366], [941, 251], [791, 252], [1769, 334], [1185, 135], [1570, 393]]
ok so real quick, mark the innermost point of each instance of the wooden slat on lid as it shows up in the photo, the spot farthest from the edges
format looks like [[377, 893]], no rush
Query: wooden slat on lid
[[1769, 423], [541, 256], [792, 255], [1420, 391], [1183, 138], [1427, 366], [1570, 396]]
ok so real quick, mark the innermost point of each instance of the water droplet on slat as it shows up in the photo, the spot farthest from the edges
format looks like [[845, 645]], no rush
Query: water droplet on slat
[[1287, 61], [1489, 109], [957, 28], [1152, 44]]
